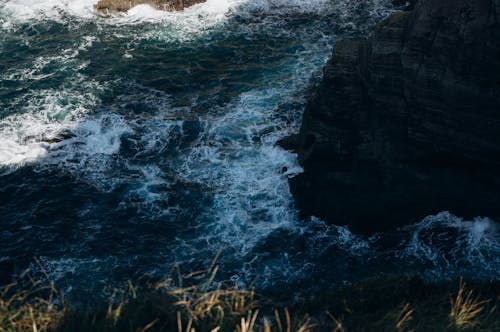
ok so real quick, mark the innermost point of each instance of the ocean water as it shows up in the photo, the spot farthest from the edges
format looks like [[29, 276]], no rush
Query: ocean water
[[136, 143]]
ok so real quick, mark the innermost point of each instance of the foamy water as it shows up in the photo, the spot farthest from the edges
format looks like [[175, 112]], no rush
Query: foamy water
[[447, 241], [148, 139], [192, 19]]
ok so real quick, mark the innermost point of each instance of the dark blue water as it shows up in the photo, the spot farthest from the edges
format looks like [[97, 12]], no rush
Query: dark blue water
[[132, 144]]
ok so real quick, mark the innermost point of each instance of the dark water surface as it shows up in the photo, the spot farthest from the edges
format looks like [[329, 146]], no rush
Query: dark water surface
[[130, 144]]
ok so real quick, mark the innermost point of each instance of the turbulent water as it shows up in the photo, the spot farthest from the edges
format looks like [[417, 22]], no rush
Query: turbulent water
[[133, 143]]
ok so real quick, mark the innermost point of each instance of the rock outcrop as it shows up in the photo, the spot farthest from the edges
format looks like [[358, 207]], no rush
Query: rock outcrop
[[107, 8], [406, 123]]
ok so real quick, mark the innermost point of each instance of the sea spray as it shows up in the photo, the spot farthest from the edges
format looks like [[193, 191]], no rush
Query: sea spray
[[146, 140]]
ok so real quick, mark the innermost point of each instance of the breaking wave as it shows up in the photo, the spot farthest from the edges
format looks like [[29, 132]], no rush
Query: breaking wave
[[137, 142]]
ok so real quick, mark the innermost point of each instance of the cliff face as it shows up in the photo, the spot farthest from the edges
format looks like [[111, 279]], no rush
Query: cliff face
[[106, 8], [406, 123]]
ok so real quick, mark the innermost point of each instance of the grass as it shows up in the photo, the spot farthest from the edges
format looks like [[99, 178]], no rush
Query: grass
[[404, 318], [466, 309], [196, 303], [403, 304], [33, 308]]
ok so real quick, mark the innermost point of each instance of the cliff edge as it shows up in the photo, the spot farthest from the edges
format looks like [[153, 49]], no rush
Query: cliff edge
[[406, 123]]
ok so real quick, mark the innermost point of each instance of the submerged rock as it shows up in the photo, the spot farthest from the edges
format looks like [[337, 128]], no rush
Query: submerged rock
[[406, 123], [107, 8]]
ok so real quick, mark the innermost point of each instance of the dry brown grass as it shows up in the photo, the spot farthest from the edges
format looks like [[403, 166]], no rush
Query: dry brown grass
[[205, 305], [218, 304], [204, 302], [195, 302], [207, 300], [465, 308], [404, 318], [33, 308]]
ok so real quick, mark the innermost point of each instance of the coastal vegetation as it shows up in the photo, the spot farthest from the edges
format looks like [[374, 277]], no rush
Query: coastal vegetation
[[195, 302]]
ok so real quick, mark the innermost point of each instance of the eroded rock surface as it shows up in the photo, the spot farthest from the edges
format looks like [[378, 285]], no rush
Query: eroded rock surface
[[406, 123], [107, 8]]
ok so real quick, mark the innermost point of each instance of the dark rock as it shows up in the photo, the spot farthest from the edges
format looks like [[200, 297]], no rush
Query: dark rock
[[405, 4], [407, 123], [106, 8], [289, 142]]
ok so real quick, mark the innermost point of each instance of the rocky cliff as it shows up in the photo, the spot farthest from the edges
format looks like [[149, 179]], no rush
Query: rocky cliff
[[406, 123], [106, 8]]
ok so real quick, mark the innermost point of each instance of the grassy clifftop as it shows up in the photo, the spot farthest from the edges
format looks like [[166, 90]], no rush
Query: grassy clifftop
[[195, 302]]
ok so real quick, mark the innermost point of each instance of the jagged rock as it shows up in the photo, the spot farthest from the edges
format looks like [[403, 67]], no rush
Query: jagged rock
[[407, 123], [107, 8]]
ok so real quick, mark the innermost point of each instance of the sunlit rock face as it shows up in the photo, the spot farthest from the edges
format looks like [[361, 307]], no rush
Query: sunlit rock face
[[107, 8]]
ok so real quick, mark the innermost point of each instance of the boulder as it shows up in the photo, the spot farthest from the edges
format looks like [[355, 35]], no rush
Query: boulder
[[406, 123], [106, 8]]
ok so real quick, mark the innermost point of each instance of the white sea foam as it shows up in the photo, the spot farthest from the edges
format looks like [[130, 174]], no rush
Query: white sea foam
[[447, 241], [89, 152], [22, 11], [236, 159], [192, 19], [12, 153], [66, 60], [93, 136], [207, 13], [41, 117], [193, 22], [233, 158], [64, 271], [56, 126]]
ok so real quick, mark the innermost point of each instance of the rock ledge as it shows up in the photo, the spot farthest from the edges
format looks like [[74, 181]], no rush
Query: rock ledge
[[106, 8]]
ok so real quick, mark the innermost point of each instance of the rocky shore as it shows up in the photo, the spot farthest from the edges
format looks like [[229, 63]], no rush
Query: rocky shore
[[406, 123], [107, 8]]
